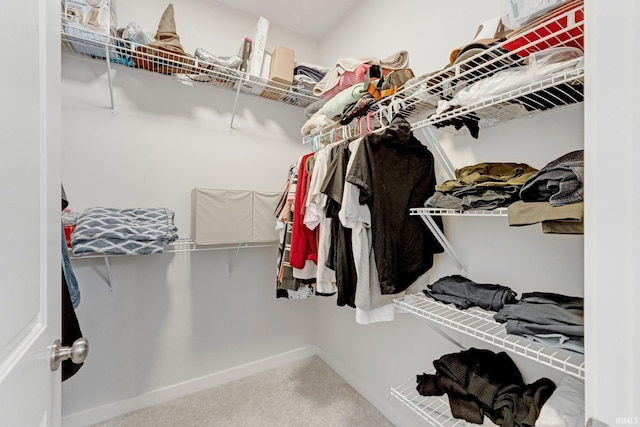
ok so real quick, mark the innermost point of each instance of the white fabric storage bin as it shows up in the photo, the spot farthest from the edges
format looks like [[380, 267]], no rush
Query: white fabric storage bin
[[264, 220], [220, 216]]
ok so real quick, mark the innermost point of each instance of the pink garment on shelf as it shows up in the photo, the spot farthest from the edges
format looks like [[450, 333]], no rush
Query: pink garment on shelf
[[396, 61], [350, 78]]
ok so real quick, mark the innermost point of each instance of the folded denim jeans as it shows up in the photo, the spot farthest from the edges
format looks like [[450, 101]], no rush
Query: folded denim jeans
[[465, 293]]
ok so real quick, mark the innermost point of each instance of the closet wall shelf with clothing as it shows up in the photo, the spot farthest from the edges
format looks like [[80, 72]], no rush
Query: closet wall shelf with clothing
[[435, 410], [537, 68], [183, 244], [480, 324], [189, 70], [553, 92]]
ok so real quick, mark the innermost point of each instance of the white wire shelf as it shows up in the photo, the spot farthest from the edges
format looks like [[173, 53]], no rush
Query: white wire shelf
[[553, 92], [183, 68], [480, 324], [434, 409], [418, 102], [454, 212], [561, 28], [185, 244]]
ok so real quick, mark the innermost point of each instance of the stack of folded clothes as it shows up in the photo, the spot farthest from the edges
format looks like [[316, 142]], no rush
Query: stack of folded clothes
[[465, 293], [345, 82], [306, 75], [552, 319], [554, 197], [486, 186]]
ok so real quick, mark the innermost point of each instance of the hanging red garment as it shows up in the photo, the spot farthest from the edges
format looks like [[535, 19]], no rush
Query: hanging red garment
[[303, 241]]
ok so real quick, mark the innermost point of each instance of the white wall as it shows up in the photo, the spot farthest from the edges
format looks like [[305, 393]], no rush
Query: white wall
[[428, 30], [175, 323]]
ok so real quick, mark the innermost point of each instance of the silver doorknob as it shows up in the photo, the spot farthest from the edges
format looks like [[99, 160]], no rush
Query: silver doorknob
[[77, 352]]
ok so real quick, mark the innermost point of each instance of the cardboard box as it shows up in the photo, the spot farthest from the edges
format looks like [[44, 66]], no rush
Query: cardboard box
[[221, 216], [274, 90], [282, 64], [89, 25], [280, 73]]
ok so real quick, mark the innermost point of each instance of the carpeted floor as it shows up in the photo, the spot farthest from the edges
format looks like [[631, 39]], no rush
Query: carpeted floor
[[303, 393]]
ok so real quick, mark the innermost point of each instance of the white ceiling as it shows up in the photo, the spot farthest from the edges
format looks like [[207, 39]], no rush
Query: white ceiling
[[313, 20]]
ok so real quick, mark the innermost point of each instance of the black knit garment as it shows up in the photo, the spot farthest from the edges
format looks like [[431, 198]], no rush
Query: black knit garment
[[479, 382]]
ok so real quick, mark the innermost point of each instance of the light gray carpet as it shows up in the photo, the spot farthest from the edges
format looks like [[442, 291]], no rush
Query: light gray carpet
[[303, 393]]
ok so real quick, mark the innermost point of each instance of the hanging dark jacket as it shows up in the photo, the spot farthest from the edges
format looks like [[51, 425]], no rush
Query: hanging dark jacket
[[395, 172], [70, 325]]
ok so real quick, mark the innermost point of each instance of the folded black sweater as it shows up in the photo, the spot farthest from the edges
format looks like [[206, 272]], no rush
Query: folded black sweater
[[480, 382], [465, 293]]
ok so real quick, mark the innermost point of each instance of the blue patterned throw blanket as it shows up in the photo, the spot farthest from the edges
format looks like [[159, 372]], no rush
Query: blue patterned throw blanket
[[134, 231]]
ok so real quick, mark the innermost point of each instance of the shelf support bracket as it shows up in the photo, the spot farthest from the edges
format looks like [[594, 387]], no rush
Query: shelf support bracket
[[107, 277], [235, 103], [234, 259], [437, 233], [106, 263], [446, 336], [107, 60], [439, 152]]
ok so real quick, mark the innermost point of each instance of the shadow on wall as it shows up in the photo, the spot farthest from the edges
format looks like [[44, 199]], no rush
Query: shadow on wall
[[162, 95]]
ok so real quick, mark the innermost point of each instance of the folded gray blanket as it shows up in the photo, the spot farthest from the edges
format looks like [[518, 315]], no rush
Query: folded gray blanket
[[134, 231], [544, 313], [560, 181]]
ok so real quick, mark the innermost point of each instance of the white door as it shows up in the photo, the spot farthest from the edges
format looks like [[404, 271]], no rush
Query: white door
[[30, 303]]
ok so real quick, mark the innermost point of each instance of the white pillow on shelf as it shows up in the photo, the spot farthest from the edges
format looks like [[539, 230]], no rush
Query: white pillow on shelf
[[565, 407]]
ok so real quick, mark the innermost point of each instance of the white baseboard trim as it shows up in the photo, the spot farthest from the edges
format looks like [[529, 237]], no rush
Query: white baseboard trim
[[101, 413], [384, 403]]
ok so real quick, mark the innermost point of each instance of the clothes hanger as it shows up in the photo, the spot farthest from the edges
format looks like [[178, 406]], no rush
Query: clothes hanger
[[371, 128], [368, 118]]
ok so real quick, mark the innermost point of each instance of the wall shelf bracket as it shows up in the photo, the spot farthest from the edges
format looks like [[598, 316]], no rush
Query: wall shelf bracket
[[235, 104], [437, 233], [106, 263], [106, 51], [438, 152]]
